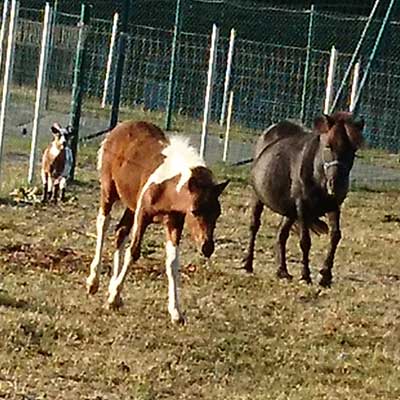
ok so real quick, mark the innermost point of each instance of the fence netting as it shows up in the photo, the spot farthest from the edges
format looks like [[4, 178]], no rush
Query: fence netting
[[279, 67]]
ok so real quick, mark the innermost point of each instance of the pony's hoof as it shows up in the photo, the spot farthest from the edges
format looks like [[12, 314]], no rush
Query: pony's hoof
[[115, 303], [326, 280], [307, 279], [248, 266], [178, 321], [283, 274], [92, 286]]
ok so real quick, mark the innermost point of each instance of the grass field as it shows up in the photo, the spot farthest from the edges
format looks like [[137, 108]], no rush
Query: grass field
[[246, 337]]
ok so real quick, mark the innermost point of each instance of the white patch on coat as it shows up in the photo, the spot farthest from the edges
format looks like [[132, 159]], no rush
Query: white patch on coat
[[54, 150], [100, 154]]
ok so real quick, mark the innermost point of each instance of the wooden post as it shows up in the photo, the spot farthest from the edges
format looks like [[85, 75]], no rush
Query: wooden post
[[227, 75], [210, 83], [330, 80], [354, 86], [228, 127], [110, 59], [8, 72], [44, 53]]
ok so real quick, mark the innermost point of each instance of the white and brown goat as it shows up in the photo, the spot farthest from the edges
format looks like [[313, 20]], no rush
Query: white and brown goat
[[56, 164]]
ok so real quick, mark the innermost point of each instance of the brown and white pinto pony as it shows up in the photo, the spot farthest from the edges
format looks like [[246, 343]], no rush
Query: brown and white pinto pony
[[158, 180], [56, 164]]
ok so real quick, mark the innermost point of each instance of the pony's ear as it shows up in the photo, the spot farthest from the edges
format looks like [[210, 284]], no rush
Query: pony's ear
[[55, 128], [323, 123], [354, 133], [220, 187]]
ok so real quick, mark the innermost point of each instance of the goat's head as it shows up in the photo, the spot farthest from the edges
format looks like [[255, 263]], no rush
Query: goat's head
[[61, 135]]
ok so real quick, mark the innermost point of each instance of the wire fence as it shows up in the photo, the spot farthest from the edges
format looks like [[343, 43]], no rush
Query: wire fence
[[268, 72]]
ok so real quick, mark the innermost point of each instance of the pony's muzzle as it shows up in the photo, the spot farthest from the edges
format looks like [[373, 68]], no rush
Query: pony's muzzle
[[207, 248]]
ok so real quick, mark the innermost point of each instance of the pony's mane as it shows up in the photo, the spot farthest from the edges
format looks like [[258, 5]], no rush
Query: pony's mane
[[180, 159]]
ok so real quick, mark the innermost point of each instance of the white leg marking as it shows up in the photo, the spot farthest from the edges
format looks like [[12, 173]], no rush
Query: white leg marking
[[117, 263], [102, 224], [63, 183], [172, 266], [116, 282]]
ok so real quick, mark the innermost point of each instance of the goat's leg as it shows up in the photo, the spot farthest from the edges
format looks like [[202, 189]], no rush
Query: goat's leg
[[102, 223], [281, 239], [256, 211], [174, 227], [132, 254], [335, 236], [56, 190], [63, 185], [45, 180]]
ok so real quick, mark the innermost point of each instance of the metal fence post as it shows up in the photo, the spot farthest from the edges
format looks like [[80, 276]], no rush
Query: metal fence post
[[110, 59], [307, 63], [119, 69], [8, 71], [330, 80], [372, 56], [210, 83], [78, 84], [227, 75], [43, 62], [355, 55], [172, 70]]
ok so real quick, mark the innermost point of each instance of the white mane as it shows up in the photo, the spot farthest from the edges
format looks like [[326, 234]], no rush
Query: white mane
[[181, 157]]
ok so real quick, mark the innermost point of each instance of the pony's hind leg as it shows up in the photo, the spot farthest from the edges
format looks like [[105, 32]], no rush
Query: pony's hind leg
[[281, 239], [132, 253], [122, 231], [256, 211], [335, 236], [102, 222]]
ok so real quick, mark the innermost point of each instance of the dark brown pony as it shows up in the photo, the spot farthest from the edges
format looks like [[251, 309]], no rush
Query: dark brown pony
[[304, 175], [158, 180]]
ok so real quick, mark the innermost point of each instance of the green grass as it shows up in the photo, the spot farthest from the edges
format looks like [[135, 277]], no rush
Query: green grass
[[246, 337]]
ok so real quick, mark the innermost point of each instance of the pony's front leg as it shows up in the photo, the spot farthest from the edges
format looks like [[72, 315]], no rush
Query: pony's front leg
[[335, 236], [174, 226], [102, 223], [132, 254]]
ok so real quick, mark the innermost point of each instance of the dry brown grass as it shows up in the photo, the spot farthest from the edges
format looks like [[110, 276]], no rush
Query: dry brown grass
[[247, 337]]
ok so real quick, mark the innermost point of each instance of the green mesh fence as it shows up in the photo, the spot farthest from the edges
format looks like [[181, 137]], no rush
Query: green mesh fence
[[268, 69]]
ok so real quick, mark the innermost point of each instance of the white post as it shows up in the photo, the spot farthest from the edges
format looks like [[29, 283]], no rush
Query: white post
[[44, 52], [227, 75], [331, 78], [3, 29], [110, 58], [8, 71], [210, 83], [354, 85], [228, 127]]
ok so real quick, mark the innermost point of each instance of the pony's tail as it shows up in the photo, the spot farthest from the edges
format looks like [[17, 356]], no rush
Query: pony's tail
[[318, 226]]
